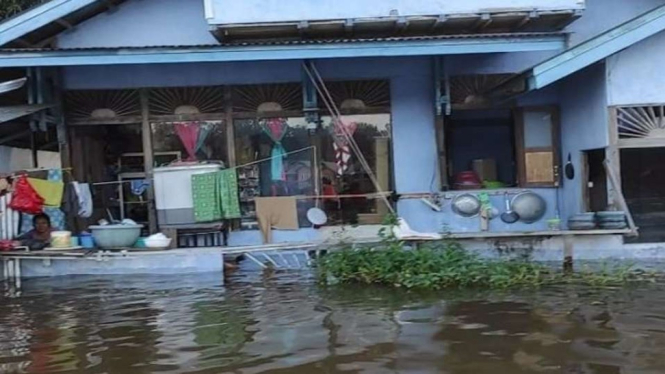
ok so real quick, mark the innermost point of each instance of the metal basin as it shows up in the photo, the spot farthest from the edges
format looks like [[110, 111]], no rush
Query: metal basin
[[466, 205], [530, 206]]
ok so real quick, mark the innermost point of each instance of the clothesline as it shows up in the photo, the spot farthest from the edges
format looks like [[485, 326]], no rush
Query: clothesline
[[273, 157], [37, 170], [230, 168]]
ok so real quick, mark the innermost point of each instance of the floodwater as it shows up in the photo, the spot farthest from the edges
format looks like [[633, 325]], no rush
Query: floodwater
[[285, 323]]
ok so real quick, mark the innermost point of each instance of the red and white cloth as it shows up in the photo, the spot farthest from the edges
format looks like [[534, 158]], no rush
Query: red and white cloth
[[341, 145]]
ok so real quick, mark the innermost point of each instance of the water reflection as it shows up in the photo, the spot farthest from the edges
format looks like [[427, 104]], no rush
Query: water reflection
[[285, 323]]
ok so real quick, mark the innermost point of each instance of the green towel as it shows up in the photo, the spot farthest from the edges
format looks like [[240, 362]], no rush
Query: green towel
[[215, 196], [228, 193], [204, 194]]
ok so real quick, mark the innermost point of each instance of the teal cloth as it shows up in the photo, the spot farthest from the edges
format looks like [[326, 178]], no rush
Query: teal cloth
[[277, 162], [215, 196], [204, 131]]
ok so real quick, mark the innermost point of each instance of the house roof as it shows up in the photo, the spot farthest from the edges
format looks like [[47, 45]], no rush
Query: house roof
[[287, 50], [590, 52], [498, 21], [38, 25]]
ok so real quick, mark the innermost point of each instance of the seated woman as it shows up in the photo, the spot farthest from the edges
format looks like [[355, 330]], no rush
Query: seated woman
[[39, 237]]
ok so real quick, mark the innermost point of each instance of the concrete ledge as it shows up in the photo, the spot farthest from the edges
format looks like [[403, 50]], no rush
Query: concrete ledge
[[164, 262]]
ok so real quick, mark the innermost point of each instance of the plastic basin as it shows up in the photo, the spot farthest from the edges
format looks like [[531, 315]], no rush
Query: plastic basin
[[116, 236]]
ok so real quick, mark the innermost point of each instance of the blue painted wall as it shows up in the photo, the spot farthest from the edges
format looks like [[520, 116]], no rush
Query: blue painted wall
[[143, 23], [584, 119], [635, 75], [602, 15]]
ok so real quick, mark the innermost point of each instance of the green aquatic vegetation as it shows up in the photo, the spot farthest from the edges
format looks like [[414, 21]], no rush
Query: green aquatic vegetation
[[448, 265]]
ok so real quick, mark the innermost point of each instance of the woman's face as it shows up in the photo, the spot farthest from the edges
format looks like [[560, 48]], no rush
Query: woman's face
[[42, 226]]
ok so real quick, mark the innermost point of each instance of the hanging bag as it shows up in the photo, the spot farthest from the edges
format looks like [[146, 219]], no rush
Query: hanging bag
[[25, 199]]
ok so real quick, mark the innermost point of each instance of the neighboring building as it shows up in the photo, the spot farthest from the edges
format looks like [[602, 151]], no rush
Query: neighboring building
[[525, 85]]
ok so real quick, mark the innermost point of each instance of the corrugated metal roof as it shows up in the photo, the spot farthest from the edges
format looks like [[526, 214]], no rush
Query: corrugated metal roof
[[271, 43], [287, 50], [9, 113]]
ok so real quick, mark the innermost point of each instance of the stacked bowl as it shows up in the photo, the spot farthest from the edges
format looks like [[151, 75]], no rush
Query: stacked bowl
[[612, 220], [582, 221]]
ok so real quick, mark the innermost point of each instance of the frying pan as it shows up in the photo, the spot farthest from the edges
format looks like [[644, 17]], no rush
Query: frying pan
[[509, 216], [569, 169]]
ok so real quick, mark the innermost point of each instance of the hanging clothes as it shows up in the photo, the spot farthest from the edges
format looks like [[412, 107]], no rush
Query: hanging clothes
[[276, 129], [205, 129], [188, 132], [85, 199], [4, 186], [228, 193], [70, 200], [276, 213], [51, 191], [204, 195], [277, 163], [215, 196], [139, 186], [341, 144]]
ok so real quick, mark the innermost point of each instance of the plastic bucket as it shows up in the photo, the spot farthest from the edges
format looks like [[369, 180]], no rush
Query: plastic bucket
[[61, 239]]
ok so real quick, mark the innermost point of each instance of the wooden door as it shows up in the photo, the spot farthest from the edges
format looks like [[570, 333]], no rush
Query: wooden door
[[537, 146]]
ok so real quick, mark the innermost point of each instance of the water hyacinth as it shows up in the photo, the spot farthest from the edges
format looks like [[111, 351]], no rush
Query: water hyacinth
[[448, 265]]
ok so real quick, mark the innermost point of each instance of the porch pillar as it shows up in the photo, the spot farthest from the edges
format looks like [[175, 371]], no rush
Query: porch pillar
[[148, 160]]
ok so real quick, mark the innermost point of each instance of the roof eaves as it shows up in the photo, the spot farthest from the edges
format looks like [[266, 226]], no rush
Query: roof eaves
[[591, 51], [342, 48], [31, 20]]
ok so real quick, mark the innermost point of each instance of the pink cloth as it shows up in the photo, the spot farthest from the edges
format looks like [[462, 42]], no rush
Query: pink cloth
[[188, 132]]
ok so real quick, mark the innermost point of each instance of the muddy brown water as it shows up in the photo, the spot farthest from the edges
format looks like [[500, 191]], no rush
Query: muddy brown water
[[285, 323]]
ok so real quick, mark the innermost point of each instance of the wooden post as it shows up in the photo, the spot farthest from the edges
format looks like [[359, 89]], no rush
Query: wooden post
[[148, 159], [61, 125], [230, 129], [619, 198], [612, 153], [382, 168], [33, 148], [568, 253], [441, 149]]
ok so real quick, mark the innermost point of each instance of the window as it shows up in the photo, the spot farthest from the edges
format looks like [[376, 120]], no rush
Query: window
[[273, 149], [278, 153], [502, 148], [192, 140], [342, 173], [365, 112]]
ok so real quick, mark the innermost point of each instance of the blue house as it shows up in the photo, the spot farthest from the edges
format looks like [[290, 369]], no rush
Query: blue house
[[458, 107]]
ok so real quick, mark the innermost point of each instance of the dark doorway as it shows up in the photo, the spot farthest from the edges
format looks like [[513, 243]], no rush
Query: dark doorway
[[486, 134], [596, 181], [643, 181]]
